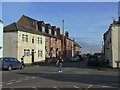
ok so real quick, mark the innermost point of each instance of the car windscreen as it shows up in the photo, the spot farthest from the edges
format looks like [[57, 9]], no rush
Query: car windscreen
[[7, 60]]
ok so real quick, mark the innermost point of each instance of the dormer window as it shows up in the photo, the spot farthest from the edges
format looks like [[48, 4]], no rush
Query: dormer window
[[55, 33], [43, 29], [49, 31]]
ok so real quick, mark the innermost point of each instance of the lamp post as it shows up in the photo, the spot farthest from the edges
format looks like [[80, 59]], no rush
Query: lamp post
[[63, 35]]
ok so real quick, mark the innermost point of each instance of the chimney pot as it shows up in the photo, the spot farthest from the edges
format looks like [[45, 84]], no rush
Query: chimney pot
[[66, 34], [58, 31]]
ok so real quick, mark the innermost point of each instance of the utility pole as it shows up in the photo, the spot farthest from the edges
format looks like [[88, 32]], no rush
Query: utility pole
[[63, 35]]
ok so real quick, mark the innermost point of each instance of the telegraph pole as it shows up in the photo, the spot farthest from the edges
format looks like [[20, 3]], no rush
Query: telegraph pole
[[63, 35]]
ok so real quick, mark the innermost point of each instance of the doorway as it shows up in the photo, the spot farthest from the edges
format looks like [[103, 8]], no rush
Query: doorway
[[32, 55]]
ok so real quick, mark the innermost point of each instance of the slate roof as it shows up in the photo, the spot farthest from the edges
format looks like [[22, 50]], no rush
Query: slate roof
[[31, 19], [77, 45], [19, 27]]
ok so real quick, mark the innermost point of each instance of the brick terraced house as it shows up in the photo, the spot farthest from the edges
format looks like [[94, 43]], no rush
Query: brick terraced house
[[36, 41]]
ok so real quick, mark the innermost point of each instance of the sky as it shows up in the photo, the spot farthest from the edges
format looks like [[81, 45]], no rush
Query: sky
[[86, 22]]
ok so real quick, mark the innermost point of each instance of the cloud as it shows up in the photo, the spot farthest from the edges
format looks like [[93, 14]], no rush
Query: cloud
[[86, 48], [89, 44]]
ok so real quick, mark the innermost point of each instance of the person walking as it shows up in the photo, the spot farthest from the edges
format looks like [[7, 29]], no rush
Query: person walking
[[59, 61], [22, 59]]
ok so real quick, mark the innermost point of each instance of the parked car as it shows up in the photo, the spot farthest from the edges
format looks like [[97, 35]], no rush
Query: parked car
[[93, 60], [9, 63], [75, 59], [80, 57]]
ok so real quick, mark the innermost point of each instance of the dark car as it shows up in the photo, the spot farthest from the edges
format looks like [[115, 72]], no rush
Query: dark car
[[9, 63], [81, 58], [93, 60], [75, 58]]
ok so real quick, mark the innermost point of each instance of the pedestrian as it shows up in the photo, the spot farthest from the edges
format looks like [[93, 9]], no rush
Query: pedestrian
[[22, 59], [59, 61]]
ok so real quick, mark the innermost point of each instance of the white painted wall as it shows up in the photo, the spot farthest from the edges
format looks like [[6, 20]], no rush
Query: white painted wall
[[10, 44], [114, 46], [1, 39]]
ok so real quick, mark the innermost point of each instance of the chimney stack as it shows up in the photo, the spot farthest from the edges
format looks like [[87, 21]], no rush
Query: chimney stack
[[66, 34], [58, 31], [113, 20]]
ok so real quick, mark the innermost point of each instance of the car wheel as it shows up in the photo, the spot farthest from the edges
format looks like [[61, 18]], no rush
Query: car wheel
[[21, 67], [9, 68]]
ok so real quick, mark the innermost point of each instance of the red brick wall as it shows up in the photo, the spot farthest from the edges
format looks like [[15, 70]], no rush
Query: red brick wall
[[53, 42], [47, 44]]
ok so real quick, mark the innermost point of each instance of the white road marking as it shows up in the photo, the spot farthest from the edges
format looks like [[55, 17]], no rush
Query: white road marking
[[56, 88], [75, 86], [9, 83], [89, 86], [27, 77], [12, 80], [19, 81], [33, 77], [105, 86]]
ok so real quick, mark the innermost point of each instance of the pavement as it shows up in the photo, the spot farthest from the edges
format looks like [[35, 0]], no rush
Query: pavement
[[75, 76]]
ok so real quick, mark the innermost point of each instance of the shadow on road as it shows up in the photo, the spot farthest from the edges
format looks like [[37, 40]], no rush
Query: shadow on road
[[80, 64], [79, 78]]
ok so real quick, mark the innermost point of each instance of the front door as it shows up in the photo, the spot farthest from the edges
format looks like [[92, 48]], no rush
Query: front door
[[32, 55]]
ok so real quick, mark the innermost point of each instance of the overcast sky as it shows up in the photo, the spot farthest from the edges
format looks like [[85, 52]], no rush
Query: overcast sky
[[86, 22]]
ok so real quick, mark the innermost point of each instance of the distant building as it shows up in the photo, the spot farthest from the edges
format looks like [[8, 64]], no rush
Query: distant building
[[71, 48], [112, 44], [23, 41], [1, 38], [78, 49]]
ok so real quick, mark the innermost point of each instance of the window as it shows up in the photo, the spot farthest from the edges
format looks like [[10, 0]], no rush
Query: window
[[53, 41], [43, 29], [24, 38], [72, 44], [55, 33], [33, 39], [39, 53], [67, 43], [26, 52], [110, 40], [39, 40], [49, 31], [47, 41]]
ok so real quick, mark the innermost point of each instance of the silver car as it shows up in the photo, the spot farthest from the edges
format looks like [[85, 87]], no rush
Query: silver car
[[75, 59]]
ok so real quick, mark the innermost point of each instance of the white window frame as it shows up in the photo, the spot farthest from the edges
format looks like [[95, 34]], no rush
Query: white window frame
[[40, 53], [26, 52], [53, 41], [50, 32], [39, 40], [24, 38], [55, 33], [72, 44], [43, 29], [67, 43]]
